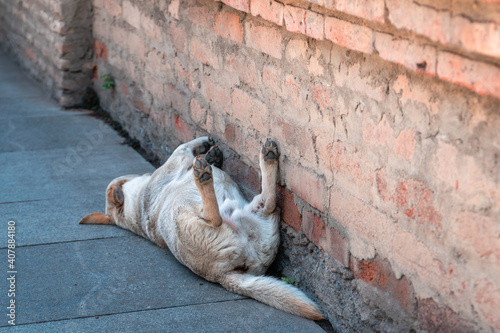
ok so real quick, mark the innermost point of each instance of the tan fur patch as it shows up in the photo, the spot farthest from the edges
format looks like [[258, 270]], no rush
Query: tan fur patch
[[96, 218]]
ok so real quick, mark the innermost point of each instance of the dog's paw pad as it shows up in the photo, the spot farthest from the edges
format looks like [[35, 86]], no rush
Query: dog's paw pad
[[202, 169], [270, 150], [215, 157]]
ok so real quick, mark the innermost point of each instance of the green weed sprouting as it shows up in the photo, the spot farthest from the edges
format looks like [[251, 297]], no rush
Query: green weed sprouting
[[107, 81]]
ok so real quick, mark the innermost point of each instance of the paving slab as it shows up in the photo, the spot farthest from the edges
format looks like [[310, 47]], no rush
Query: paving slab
[[56, 221], [52, 132], [15, 107], [98, 277], [242, 316], [63, 173]]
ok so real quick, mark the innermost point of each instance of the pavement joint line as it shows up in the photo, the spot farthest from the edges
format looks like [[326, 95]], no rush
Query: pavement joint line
[[135, 311], [70, 241], [62, 149], [21, 201]]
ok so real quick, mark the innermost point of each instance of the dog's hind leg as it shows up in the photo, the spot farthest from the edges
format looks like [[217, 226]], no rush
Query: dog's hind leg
[[266, 201], [202, 173]]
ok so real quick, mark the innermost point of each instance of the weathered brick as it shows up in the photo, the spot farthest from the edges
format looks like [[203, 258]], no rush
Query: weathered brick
[[478, 76], [247, 108], [173, 9], [114, 8], [178, 36], [405, 143], [204, 53], [315, 25], [351, 165], [306, 184], [414, 56], [264, 38], [200, 17], [419, 19], [327, 239], [243, 66], [479, 37], [218, 96], [228, 25], [478, 235], [289, 211], [435, 318], [269, 10], [367, 9], [271, 77], [352, 80], [416, 201], [184, 132], [361, 219], [131, 14], [349, 35], [379, 273], [243, 5], [100, 50], [296, 49], [151, 29], [176, 99], [295, 19], [243, 175], [487, 297], [198, 113]]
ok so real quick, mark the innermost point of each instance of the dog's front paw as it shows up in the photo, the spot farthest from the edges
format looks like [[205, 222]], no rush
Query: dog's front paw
[[202, 170], [215, 156], [270, 151]]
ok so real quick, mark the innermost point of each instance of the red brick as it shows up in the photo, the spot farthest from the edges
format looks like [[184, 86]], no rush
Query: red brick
[[295, 19], [100, 50], [414, 56], [203, 53], [423, 20], [190, 78], [229, 26], [416, 201], [178, 36], [289, 211], [269, 10], [405, 143], [435, 318], [487, 296], [315, 25], [379, 273], [382, 186], [247, 108], [373, 10], [178, 100], [479, 37], [264, 38], [349, 35], [327, 239], [243, 5], [306, 184], [295, 138], [322, 96], [480, 77]]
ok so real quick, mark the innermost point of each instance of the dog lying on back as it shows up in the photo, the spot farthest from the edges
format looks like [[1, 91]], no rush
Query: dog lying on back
[[192, 207]]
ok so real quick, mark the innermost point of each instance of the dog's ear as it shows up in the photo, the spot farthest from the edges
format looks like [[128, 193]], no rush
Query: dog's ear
[[96, 218], [115, 195]]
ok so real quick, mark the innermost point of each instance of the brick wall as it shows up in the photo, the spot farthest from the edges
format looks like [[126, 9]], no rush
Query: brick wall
[[53, 41], [387, 115]]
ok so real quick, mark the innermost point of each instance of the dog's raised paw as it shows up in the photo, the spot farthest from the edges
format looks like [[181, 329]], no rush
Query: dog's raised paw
[[202, 169], [270, 150], [215, 157]]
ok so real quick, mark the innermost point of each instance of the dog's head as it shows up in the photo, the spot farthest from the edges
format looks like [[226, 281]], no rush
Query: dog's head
[[114, 205]]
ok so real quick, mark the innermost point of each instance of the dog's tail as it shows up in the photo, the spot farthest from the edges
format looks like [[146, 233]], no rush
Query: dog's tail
[[273, 292], [96, 218]]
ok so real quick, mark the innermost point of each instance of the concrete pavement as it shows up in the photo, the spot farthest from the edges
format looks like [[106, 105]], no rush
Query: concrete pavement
[[54, 167]]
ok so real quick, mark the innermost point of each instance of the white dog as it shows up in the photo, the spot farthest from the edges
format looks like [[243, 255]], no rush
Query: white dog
[[197, 211]]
